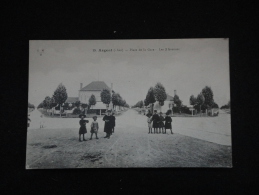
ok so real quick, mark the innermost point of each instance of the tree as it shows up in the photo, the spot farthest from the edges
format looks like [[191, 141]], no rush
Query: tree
[[48, 102], [40, 105], [60, 95], [178, 103], [77, 104], [30, 105], [193, 100], [92, 100], [106, 97], [200, 100], [146, 103], [115, 99], [150, 98], [208, 95], [215, 105], [53, 103], [141, 104], [160, 94]]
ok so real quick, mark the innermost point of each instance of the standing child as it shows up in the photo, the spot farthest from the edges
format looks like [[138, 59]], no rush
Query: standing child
[[113, 122], [41, 121], [29, 120], [161, 123], [108, 124], [94, 127], [149, 121], [155, 120], [82, 129], [168, 121]]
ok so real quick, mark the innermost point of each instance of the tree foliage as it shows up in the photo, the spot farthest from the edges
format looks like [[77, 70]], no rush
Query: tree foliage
[[150, 96], [160, 93], [208, 95], [60, 95], [92, 100], [77, 104], [30, 105], [106, 97], [193, 100]]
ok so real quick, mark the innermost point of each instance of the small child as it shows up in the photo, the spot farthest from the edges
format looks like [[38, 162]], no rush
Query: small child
[[29, 120], [149, 121], [168, 121], [41, 121], [82, 129], [161, 123], [94, 127]]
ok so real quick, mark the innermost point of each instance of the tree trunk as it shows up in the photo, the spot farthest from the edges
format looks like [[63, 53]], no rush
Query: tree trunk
[[59, 110]]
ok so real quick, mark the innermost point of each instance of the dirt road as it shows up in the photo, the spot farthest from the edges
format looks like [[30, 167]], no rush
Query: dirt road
[[129, 146]]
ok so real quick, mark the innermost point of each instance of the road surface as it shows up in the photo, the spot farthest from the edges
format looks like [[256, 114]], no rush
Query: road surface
[[57, 146]]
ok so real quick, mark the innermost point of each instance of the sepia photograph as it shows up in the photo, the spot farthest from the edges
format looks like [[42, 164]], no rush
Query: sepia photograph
[[146, 103]]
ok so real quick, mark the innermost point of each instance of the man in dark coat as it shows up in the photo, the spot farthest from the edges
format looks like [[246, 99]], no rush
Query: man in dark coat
[[108, 124], [113, 121], [156, 120]]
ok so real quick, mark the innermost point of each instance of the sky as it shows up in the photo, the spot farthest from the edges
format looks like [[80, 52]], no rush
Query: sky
[[188, 68]]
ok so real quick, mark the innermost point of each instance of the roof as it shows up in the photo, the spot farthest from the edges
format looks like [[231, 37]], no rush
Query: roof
[[72, 99], [169, 98], [95, 86]]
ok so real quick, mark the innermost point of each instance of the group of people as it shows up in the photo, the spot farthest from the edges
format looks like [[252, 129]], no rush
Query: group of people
[[158, 122], [109, 125]]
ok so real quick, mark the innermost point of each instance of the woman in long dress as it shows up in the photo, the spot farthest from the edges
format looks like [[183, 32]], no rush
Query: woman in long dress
[[108, 124]]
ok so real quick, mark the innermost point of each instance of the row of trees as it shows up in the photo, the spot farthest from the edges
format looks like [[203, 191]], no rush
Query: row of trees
[[31, 105], [115, 98], [226, 106], [204, 100], [139, 104], [58, 98], [154, 94], [158, 93]]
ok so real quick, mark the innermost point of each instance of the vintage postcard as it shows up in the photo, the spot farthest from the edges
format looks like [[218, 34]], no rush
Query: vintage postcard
[[129, 104]]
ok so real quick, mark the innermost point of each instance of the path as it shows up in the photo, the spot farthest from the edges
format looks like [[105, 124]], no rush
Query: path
[[130, 146]]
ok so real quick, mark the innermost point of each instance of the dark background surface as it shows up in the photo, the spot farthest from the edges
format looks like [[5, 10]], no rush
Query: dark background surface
[[45, 21]]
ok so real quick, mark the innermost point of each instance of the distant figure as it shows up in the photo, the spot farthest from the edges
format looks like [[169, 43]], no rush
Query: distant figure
[[155, 120], [94, 127], [161, 122], [108, 124], [149, 122], [113, 122], [42, 121], [168, 121], [82, 129], [29, 120]]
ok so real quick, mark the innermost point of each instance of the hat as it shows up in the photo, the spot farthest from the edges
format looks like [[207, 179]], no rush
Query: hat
[[94, 117], [80, 115]]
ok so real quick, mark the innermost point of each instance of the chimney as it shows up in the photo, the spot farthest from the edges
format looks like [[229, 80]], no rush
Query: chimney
[[81, 86], [174, 92]]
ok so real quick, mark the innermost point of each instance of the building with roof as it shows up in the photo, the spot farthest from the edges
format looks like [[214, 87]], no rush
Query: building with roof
[[93, 88], [167, 104]]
